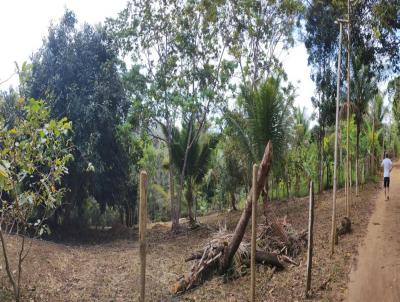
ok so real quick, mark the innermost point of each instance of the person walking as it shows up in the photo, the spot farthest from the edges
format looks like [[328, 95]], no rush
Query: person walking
[[387, 168]]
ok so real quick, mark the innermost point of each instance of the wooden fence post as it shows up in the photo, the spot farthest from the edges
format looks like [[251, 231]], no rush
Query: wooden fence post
[[142, 232], [310, 239], [253, 235]]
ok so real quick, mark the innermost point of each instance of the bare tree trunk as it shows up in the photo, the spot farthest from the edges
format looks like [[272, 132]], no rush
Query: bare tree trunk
[[174, 216], [373, 144], [240, 229], [357, 157], [297, 185], [310, 240], [333, 230], [348, 167], [319, 164], [233, 201], [189, 199], [321, 184], [7, 263], [142, 233]]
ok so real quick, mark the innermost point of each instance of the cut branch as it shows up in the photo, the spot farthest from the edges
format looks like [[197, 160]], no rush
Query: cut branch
[[262, 175]]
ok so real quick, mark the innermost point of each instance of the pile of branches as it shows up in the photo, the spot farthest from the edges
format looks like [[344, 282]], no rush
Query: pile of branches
[[277, 244], [281, 239]]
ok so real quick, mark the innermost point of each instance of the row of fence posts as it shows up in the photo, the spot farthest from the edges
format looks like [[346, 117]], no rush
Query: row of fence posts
[[142, 236]]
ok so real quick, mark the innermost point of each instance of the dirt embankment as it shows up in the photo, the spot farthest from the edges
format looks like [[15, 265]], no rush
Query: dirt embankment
[[110, 271]]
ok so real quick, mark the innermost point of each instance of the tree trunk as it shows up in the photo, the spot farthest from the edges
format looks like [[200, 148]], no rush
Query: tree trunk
[[357, 156], [189, 199], [321, 172], [319, 164], [174, 215], [373, 146], [233, 201], [297, 185], [240, 229], [182, 174], [327, 175]]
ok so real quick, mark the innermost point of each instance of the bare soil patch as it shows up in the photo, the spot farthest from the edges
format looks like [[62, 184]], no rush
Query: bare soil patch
[[376, 274], [109, 270]]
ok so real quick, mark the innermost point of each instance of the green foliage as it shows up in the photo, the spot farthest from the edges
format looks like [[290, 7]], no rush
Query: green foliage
[[198, 158], [34, 156], [264, 115], [33, 159], [76, 73], [394, 95], [254, 29], [153, 161]]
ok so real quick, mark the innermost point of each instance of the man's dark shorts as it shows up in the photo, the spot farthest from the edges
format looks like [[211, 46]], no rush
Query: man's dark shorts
[[386, 182]]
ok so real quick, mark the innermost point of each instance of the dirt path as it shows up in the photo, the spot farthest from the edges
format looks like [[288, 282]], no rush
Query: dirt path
[[376, 275]]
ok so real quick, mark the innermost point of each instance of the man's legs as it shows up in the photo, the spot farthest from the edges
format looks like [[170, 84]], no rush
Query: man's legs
[[386, 182], [384, 185]]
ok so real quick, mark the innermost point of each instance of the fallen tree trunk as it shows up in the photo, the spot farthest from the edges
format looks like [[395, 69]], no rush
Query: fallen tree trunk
[[219, 253], [240, 229], [262, 257]]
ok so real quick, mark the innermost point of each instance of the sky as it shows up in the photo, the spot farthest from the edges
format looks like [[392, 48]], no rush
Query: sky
[[24, 24]]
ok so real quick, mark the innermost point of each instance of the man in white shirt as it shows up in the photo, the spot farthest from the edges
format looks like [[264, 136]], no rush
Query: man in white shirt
[[387, 168]]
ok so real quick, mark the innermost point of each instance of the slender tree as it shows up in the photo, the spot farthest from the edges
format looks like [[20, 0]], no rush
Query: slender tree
[[363, 89]]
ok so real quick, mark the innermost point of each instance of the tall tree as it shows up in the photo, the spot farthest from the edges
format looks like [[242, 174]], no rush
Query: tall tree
[[321, 44], [364, 87], [257, 31], [76, 73], [394, 95], [263, 115], [179, 53]]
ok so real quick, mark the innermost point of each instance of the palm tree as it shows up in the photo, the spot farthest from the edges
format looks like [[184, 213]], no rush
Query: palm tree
[[377, 113], [263, 115], [364, 88], [198, 160]]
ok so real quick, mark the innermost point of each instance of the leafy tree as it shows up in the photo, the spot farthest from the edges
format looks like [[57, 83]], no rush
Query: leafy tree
[[364, 88], [377, 112], [301, 144], [264, 115], [394, 95], [76, 73], [255, 31], [197, 162], [10, 107], [176, 49], [146, 30], [33, 160], [233, 171], [132, 145]]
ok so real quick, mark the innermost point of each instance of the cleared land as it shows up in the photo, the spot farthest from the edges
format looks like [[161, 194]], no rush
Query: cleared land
[[108, 270]]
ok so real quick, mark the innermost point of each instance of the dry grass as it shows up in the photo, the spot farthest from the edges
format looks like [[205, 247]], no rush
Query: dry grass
[[109, 271]]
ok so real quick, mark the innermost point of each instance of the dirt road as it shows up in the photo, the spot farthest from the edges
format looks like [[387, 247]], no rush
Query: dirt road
[[376, 275]]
